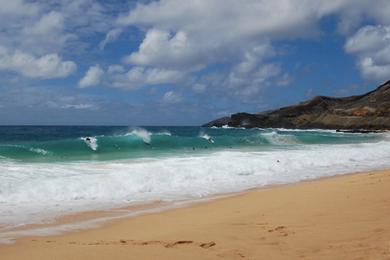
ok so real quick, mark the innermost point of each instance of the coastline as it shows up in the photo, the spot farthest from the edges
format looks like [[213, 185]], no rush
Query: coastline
[[344, 217]]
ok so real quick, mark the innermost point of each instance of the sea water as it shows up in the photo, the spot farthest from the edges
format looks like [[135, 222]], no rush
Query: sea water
[[46, 172]]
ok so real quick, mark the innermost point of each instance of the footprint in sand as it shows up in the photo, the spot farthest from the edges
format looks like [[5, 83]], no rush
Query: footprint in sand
[[281, 230], [204, 245]]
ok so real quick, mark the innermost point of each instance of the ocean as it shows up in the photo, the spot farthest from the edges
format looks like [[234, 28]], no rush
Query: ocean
[[50, 171]]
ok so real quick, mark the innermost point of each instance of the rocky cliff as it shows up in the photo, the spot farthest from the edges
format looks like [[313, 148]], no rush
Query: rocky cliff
[[370, 111]]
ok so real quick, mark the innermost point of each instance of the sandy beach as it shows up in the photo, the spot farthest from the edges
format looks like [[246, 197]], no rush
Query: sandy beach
[[345, 217]]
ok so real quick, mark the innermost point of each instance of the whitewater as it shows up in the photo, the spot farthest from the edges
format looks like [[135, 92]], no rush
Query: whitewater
[[50, 172]]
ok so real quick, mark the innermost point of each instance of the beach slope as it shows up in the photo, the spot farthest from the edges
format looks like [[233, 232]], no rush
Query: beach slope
[[346, 217]]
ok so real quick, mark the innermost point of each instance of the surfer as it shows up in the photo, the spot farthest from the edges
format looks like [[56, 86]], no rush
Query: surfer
[[91, 142]]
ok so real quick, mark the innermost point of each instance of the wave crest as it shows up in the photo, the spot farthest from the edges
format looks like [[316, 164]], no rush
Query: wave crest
[[38, 150], [141, 133], [280, 139]]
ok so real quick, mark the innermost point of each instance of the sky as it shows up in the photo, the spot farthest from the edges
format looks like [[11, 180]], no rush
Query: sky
[[175, 62]]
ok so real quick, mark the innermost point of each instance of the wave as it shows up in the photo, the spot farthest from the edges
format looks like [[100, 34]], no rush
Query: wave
[[141, 133], [232, 127], [165, 132], [25, 187], [145, 135], [304, 130], [280, 139], [39, 151], [130, 143], [34, 150]]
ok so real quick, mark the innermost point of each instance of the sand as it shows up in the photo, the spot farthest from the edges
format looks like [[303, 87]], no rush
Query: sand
[[345, 217]]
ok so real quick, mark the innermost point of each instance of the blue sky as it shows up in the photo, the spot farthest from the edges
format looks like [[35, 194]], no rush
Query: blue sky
[[174, 62]]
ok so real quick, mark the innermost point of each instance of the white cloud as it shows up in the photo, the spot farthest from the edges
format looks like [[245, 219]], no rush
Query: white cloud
[[93, 77], [45, 67], [182, 36], [18, 8], [114, 69], [117, 76], [48, 23], [80, 106], [138, 76], [172, 97], [371, 44], [368, 38], [192, 35], [231, 19], [356, 11], [111, 36], [372, 70], [39, 32], [161, 49]]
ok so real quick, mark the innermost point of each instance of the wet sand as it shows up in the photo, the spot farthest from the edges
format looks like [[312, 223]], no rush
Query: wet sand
[[345, 217]]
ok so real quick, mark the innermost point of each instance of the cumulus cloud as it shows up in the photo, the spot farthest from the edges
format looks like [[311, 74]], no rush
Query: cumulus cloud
[[93, 77], [138, 76], [180, 38], [372, 70], [355, 12], [45, 67], [162, 49], [223, 46], [36, 32], [371, 44], [369, 38], [40, 32], [181, 35], [230, 19], [117, 76]]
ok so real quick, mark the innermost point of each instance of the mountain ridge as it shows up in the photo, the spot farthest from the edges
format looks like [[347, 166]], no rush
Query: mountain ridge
[[369, 111]]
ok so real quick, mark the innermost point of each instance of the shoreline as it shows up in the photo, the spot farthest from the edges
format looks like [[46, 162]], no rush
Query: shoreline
[[95, 219], [186, 231]]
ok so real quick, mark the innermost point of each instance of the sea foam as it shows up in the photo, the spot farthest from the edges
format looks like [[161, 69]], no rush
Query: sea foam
[[34, 192], [141, 133]]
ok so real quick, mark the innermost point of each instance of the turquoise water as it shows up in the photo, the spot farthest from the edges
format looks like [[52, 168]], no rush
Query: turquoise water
[[46, 172], [68, 143]]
